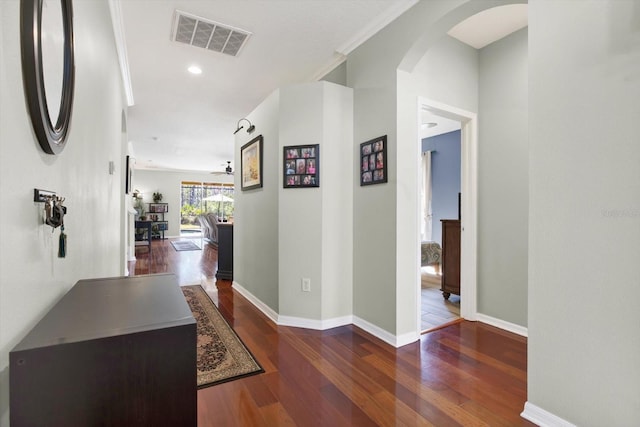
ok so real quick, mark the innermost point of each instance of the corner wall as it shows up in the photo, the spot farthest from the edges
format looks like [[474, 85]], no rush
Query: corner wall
[[32, 277], [256, 213], [503, 179], [584, 211], [310, 229], [316, 223]]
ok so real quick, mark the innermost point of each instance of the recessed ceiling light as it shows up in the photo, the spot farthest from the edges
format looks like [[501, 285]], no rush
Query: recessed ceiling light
[[194, 69]]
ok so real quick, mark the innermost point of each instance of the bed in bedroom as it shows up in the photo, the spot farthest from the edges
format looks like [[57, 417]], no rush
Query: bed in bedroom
[[431, 254]]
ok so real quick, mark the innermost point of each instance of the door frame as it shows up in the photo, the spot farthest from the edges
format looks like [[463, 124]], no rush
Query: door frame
[[469, 204]]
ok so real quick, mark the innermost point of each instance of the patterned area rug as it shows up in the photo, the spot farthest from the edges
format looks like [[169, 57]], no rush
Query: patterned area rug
[[222, 356], [185, 245]]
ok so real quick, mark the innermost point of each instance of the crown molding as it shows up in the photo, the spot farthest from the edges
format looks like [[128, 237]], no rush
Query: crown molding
[[121, 48], [398, 8]]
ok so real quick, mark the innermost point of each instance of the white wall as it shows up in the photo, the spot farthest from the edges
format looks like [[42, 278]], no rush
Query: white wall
[[503, 180], [169, 184], [32, 277], [584, 211]]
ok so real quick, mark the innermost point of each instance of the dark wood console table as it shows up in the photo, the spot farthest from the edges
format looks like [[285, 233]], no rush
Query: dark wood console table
[[112, 352], [225, 251]]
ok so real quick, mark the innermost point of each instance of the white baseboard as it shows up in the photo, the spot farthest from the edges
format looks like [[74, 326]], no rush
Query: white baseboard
[[386, 336], [264, 308], [299, 322], [374, 330], [408, 338], [543, 418], [320, 325], [502, 324]]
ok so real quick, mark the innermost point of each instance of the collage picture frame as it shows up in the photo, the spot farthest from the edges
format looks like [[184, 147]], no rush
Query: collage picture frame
[[301, 166], [373, 161]]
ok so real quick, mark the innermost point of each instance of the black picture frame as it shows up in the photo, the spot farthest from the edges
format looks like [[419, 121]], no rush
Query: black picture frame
[[251, 164], [51, 136], [373, 161], [301, 166]]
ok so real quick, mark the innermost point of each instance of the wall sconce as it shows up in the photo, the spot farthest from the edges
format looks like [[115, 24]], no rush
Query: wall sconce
[[250, 129]]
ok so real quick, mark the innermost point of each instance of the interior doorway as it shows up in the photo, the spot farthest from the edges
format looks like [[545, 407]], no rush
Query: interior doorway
[[464, 302], [441, 161]]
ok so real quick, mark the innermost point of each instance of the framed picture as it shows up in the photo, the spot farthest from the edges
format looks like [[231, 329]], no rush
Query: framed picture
[[373, 161], [301, 166], [251, 164]]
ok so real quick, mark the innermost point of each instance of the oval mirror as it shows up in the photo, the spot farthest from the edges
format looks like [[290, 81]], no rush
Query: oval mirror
[[48, 69]]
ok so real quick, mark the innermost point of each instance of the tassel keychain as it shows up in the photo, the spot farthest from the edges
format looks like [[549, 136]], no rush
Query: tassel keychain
[[62, 243]]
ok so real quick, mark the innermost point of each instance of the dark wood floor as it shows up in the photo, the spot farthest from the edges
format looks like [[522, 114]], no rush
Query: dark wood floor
[[466, 374]]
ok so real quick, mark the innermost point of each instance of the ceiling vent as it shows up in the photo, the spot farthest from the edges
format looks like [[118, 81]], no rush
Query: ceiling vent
[[200, 32]]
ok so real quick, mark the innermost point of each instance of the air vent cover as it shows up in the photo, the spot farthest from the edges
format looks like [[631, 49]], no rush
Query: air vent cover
[[207, 34]]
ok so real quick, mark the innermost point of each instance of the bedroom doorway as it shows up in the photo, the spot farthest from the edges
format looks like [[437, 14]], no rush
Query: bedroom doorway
[[440, 139], [454, 145]]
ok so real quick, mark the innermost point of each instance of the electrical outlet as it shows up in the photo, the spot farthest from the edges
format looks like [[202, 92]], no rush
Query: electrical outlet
[[306, 285]]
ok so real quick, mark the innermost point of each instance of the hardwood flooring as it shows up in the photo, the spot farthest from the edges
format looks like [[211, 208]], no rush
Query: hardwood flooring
[[435, 310], [466, 374]]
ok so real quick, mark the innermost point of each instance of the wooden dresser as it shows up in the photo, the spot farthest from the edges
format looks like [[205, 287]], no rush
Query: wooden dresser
[[112, 352], [450, 257]]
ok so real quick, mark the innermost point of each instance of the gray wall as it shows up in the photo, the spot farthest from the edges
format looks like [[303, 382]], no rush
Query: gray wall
[[284, 235], [338, 75], [584, 211], [315, 223], [503, 179], [299, 211], [255, 229], [445, 178], [386, 246], [32, 277]]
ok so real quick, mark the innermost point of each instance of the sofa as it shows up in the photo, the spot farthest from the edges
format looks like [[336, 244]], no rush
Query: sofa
[[209, 224]]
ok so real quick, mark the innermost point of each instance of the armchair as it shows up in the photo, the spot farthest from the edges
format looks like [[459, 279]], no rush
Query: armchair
[[209, 225]]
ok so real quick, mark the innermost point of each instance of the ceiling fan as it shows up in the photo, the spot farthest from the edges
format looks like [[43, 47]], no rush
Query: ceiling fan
[[227, 171]]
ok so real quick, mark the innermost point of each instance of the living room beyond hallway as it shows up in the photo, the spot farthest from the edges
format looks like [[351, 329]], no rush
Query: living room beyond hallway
[[190, 266]]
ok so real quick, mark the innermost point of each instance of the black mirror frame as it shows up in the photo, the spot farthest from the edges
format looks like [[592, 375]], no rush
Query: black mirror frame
[[51, 138]]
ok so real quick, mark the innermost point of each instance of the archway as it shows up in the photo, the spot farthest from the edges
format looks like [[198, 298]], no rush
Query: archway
[[408, 175]]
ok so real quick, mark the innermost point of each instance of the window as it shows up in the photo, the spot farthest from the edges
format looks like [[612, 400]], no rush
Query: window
[[198, 198]]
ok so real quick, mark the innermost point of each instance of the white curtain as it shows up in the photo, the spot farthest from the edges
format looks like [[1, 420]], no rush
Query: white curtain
[[426, 226]]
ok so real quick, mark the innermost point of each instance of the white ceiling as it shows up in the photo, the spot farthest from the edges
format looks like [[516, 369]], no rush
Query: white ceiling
[[477, 31], [183, 121], [186, 122], [491, 25]]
